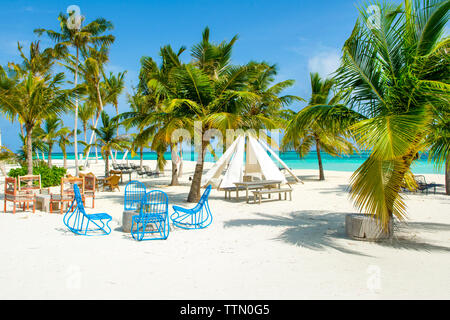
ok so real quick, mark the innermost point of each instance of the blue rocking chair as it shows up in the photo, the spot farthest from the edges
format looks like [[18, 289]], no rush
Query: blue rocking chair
[[198, 217], [84, 224], [153, 218], [134, 191]]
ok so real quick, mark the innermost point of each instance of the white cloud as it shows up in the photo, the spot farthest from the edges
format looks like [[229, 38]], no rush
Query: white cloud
[[325, 63]]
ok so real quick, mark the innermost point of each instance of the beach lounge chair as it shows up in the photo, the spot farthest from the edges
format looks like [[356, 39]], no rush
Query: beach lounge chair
[[79, 222], [423, 186], [134, 191], [152, 223], [150, 173], [198, 217], [13, 195], [112, 183], [141, 172]]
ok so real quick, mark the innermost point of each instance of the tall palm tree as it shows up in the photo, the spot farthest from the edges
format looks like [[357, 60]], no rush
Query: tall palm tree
[[32, 98], [86, 112], [92, 70], [52, 131], [114, 87], [397, 71], [305, 130], [108, 140], [79, 38], [63, 142]]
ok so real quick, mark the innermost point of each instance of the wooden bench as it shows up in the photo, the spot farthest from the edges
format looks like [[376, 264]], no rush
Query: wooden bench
[[240, 188], [259, 193]]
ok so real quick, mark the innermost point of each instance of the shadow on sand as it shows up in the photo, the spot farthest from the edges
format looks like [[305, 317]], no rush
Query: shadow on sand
[[318, 230]]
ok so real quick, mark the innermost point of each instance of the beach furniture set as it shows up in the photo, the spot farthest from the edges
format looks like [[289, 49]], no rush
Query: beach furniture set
[[147, 211], [122, 169]]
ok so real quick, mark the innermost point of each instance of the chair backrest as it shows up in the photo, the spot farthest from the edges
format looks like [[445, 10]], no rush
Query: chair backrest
[[89, 183], [113, 172], [67, 185], [29, 182], [78, 198], [154, 202], [10, 186], [134, 191], [203, 199], [114, 180]]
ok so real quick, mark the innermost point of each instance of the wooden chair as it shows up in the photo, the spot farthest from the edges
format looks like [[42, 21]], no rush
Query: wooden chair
[[90, 185], [66, 192], [112, 182], [13, 195], [29, 183], [116, 172]]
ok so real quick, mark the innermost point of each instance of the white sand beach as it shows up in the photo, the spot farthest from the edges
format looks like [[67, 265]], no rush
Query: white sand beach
[[277, 250]]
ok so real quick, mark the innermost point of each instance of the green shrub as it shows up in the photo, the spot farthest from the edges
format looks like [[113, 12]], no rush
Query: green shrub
[[50, 177]]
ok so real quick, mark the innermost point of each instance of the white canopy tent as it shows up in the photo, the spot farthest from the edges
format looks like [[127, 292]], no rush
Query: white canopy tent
[[247, 156]]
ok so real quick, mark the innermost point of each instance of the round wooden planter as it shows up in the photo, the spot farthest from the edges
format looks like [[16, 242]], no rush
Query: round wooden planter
[[364, 227], [126, 219]]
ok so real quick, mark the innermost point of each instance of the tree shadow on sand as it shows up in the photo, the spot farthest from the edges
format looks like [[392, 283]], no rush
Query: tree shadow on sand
[[312, 229], [318, 230]]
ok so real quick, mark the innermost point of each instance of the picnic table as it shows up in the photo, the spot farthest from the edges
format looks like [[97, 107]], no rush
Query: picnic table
[[254, 185]]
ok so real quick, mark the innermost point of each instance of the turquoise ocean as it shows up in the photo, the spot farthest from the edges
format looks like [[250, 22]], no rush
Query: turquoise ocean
[[291, 158]]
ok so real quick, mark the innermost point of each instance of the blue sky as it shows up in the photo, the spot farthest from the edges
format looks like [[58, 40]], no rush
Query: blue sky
[[300, 36]]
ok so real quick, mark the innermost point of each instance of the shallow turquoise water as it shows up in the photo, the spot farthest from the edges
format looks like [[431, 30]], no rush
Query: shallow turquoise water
[[346, 163]]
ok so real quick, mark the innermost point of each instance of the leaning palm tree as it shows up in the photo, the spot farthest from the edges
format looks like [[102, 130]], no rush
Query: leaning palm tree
[[397, 70], [108, 140], [78, 37], [305, 129]]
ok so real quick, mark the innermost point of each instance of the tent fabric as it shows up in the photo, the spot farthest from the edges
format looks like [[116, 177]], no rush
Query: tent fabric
[[236, 163], [216, 170], [268, 168], [266, 147], [235, 170]]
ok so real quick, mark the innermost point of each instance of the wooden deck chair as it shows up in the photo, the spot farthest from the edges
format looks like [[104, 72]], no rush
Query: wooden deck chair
[[66, 193], [13, 195], [79, 222], [198, 217], [152, 223], [112, 183]]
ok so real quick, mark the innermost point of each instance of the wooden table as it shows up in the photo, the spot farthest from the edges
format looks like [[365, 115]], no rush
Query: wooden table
[[255, 185]]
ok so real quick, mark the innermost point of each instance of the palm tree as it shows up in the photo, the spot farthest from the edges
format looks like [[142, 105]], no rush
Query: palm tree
[[92, 70], [63, 142], [51, 132], [397, 71], [213, 93], [114, 86], [108, 140], [86, 112], [305, 129], [32, 98], [78, 38]]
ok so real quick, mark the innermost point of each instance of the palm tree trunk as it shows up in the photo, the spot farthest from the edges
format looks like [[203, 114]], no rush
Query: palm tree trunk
[[180, 168], [447, 176], [174, 181], [141, 163], [100, 103], [117, 113], [106, 163], [194, 192], [49, 160], [75, 138], [319, 158], [65, 158], [29, 130]]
